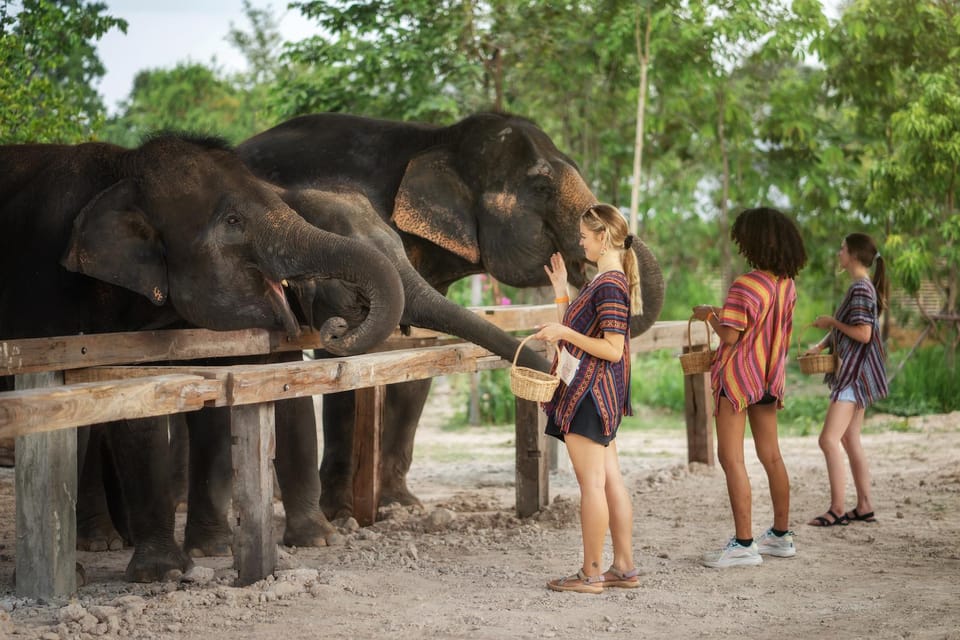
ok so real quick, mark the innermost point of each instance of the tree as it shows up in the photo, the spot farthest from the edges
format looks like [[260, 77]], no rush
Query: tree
[[189, 97], [896, 65], [47, 65]]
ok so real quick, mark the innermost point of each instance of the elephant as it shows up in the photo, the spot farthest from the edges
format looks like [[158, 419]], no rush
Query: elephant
[[176, 232], [490, 193]]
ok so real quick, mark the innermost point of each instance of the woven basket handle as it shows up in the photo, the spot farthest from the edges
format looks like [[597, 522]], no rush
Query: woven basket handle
[[832, 344], [690, 334], [523, 342]]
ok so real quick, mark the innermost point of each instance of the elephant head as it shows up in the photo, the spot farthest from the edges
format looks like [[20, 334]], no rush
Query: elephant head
[[188, 222], [497, 194]]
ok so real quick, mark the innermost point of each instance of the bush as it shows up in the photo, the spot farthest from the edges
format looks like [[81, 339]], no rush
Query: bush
[[926, 384]]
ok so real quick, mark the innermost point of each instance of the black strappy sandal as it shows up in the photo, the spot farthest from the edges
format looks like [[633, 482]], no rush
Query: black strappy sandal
[[838, 521]]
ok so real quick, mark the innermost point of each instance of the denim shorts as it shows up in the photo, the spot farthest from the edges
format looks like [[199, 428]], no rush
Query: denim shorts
[[846, 395]]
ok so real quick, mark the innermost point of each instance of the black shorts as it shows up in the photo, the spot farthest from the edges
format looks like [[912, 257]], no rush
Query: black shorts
[[586, 422], [766, 399]]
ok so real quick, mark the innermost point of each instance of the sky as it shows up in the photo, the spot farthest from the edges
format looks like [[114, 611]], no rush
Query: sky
[[161, 33]]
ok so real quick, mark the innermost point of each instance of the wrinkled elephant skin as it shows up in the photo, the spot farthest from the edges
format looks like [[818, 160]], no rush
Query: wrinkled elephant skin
[[96, 238], [491, 193]]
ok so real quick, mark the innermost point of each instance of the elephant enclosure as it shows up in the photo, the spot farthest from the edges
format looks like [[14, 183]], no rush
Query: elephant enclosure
[[465, 566]]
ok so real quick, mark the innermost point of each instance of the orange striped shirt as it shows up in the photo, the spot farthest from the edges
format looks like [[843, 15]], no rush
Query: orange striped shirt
[[760, 306]]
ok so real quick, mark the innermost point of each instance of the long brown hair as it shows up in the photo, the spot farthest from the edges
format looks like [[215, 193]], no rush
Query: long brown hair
[[863, 249], [606, 217]]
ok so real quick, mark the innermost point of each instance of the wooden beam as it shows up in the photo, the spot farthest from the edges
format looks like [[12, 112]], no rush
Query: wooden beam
[[533, 477], [698, 414], [46, 409], [46, 490], [253, 450], [368, 427]]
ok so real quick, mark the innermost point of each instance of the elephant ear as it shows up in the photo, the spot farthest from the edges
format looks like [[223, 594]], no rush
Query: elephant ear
[[435, 204], [651, 288], [113, 241]]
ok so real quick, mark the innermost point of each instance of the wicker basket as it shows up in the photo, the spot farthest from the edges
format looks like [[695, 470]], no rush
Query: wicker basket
[[694, 362], [818, 363], [531, 384]]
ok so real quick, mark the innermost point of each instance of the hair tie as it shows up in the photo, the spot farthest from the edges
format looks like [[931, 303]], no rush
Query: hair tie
[[628, 241], [878, 256]]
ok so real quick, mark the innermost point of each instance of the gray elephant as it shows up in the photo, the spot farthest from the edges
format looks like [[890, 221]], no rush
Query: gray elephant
[[491, 193], [97, 238]]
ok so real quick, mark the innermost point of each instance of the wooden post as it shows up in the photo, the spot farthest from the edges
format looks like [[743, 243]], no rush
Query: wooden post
[[698, 411], [253, 446], [368, 427], [46, 490], [533, 478]]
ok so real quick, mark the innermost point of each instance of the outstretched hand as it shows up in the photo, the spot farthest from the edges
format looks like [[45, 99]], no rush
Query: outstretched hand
[[702, 311], [824, 322], [557, 272], [551, 332]]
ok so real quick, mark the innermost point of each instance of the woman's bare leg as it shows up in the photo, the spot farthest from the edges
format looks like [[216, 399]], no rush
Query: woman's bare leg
[[835, 425], [730, 429], [858, 462], [620, 511], [588, 460], [763, 425]]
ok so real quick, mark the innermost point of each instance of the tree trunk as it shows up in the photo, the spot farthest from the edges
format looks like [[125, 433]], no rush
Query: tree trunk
[[723, 221], [643, 56]]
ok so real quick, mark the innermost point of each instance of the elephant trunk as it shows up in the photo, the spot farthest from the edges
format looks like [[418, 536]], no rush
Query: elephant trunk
[[303, 252], [429, 309], [651, 288]]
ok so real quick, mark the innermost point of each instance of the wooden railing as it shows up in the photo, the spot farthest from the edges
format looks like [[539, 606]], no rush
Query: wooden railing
[[68, 382]]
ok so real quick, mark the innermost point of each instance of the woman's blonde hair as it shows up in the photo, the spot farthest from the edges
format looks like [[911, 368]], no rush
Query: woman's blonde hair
[[606, 217]]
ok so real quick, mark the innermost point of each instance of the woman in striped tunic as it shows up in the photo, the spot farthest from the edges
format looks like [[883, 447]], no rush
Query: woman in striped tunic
[[860, 378], [747, 375], [594, 394]]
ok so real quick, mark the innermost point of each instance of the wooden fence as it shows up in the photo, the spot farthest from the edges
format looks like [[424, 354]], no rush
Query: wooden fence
[[67, 382]]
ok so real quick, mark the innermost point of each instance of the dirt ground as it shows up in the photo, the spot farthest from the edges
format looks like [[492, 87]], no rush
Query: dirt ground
[[465, 567]]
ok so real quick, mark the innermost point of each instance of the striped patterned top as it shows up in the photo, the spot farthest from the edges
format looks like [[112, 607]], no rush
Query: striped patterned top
[[602, 306], [760, 306], [861, 364]]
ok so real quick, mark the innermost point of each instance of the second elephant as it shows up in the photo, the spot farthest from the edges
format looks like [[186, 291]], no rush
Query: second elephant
[[491, 193]]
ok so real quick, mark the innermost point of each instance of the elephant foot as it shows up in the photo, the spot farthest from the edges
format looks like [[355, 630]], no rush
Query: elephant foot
[[156, 563], [398, 492], [208, 544], [99, 538], [311, 531], [336, 505]]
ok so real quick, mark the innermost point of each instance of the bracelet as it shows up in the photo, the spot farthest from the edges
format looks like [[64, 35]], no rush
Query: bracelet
[[562, 300]]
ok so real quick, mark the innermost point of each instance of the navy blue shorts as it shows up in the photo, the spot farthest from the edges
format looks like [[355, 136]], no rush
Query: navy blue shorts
[[586, 422]]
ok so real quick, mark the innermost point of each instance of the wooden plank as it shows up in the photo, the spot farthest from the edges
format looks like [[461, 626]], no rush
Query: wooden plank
[[368, 427], [671, 334], [73, 352], [39, 410], [256, 383], [533, 479], [698, 414], [253, 450], [46, 497]]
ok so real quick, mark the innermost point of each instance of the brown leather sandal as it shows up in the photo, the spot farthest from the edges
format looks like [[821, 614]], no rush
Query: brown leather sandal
[[581, 583], [621, 579]]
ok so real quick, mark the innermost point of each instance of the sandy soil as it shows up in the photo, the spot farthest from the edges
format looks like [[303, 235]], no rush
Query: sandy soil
[[465, 566]]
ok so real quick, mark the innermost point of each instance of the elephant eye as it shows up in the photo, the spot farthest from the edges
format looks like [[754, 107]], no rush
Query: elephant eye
[[233, 219]]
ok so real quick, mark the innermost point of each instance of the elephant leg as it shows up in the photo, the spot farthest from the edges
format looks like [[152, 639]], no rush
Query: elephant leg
[[210, 492], [296, 466], [404, 406], [95, 530], [141, 457], [179, 452], [336, 466]]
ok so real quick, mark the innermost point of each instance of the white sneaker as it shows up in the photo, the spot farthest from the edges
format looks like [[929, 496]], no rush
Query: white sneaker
[[733, 555], [779, 546]]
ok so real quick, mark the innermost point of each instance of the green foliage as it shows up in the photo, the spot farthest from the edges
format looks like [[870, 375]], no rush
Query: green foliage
[[657, 381], [48, 63], [927, 383]]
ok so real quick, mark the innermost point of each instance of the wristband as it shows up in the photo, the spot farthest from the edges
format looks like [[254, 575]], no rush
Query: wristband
[[562, 300]]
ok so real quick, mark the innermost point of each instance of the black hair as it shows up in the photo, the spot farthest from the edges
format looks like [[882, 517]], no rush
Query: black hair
[[769, 240]]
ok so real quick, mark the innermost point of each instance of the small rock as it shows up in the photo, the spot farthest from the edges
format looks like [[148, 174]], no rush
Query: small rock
[[71, 613], [199, 575]]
